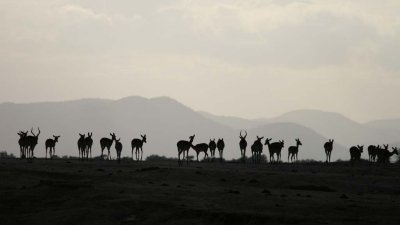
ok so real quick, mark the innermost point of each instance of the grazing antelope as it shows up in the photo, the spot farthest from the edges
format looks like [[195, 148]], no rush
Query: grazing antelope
[[88, 145], [31, 142], [212, 145], [294, 150], [137, 144], [384, 154], [328, 146], [274, 148], [256, 150], [51, 144], [118, 148], [373, 152], [184, 146], [243, 144], [81, 145], [221, 146], [355, 153], [202, 147], [22, 143], [106, 143]]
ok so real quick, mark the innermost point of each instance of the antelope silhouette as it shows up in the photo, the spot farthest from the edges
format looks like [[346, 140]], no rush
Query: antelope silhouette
[[81, 145], [137, 144], [256, 150], [294, 150], [328, 146], [118, 148], [184, 146], [32, 142], [212, 145], [384, 154], [373, 152], [355, 153], [202, 147], [88, 145], [22, 143], [51, 145], [243, 144], [106, 143], [220, 147], [274, 148]]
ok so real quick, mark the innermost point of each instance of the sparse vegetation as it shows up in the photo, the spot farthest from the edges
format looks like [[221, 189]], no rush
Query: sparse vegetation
[[5, 155], [158, 158]]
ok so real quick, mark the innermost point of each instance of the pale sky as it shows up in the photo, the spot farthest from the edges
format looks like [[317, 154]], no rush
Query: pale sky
[[248, 58]]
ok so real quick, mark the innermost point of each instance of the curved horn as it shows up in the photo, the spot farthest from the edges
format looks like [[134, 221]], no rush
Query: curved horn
[[245, 134], [241, 136]]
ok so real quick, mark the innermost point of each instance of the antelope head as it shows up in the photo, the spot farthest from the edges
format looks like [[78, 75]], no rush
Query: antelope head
[[144, 138], [36, 135], [267, 141], [56, 138], [243, 137], [113, 137]]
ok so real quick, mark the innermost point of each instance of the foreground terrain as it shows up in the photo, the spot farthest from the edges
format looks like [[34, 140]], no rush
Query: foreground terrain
[[104, 192]]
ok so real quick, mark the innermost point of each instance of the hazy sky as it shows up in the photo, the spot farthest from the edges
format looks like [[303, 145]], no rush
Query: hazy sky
[[249, 58]]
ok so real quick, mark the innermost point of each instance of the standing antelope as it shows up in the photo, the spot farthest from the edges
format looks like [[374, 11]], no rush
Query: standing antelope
[[212, 145], [293, 151], [220, 146], [31, 142], [243, 144], [355, 153], [118, 148], [202, 147], [51, 144], [384, 154], [373, 152], [328, 146], [88, 145], [106, 143], [81, 145], [184, 146], [274, 148], [22, 143], [256, 150], [137, 144]]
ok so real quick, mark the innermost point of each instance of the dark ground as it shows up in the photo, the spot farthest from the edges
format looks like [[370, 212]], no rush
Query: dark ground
[[103, 192]]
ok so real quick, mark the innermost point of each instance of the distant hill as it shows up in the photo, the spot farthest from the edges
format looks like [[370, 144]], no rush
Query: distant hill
[[313, 142], [232, 121], [165, 121], [391, 125], [338, 127]]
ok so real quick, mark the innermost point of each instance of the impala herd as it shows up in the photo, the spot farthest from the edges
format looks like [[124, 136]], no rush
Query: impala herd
[[28, 143]]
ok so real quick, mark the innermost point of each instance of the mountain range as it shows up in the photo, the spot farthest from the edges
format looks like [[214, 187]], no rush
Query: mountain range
[[166, 121]]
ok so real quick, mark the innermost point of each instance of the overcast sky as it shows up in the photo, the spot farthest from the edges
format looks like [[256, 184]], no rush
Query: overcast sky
[[248, 58]]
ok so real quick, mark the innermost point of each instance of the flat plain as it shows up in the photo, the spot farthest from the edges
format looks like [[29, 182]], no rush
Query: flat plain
[[63, 191]]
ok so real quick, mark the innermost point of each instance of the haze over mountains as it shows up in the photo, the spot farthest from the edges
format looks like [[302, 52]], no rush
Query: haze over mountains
[[165, 121]]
